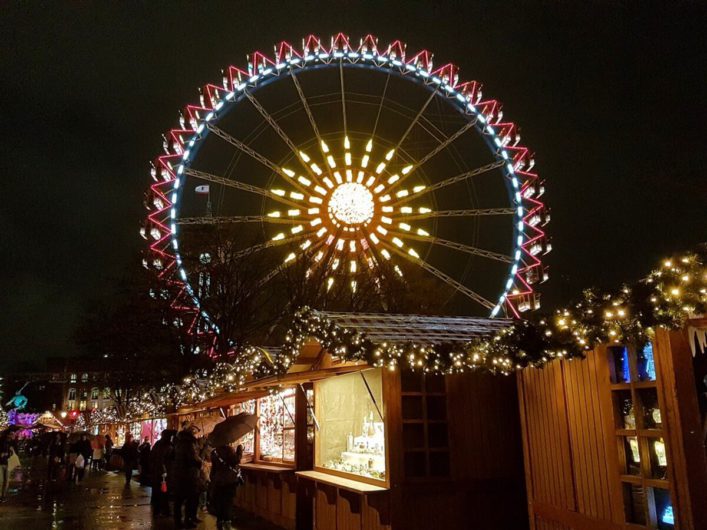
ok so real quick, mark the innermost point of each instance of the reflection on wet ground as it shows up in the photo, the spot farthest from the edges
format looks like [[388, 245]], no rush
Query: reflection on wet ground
[[100, 502]]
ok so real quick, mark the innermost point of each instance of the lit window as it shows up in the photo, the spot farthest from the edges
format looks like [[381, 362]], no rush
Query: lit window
[[277, 427], [106, 393], [72, 394], [94, 405], [82, 405], [94, 393], [73, 378], [71, 405], [84, 378]]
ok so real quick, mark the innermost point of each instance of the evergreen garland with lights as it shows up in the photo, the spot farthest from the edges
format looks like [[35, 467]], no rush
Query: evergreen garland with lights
[[667, 297]]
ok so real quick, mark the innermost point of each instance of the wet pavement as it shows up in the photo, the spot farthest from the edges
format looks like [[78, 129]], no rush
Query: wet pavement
[[101, 501]]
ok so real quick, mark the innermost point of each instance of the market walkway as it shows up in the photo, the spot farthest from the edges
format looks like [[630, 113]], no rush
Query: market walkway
[[100, 502]]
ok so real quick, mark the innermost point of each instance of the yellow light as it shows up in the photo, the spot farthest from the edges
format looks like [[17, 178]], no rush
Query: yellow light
[[278, 192], [353, 285], [290, 257], [347, 144], [335, 264], [370, 181], [675, 291], [385, 254], [304, 180], [388, 209], [386, 220], [340, 244], [364, 161], [405, 226], [352, 266], [393, 179], [316, 222], [407, 170], [316, 169], [389, 154], [321, 231], [297, 229], [412, 252], [296, 195], [329, 283], [380, 168], [360, 177], [352, 246], [385, 198], [382, 231], [369, 145], [347, 158], [330, 161], [424, 210], [325, 147], [405, 209], [379, 188], [338, 178], [422, 232], [274, 214], [304, 156], [292, 213], [315, 200], [328, 182], [288, 172], [279, 237], [320, 190], [374, 238], [402, 193], [349, 175], [397, 241], [306, 244], [418, 189]]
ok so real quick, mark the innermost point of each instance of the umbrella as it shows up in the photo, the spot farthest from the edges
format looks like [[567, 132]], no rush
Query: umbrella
[[232, 428]]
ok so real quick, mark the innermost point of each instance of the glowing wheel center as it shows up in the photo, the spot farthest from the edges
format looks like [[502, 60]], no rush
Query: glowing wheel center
[[351, 204]]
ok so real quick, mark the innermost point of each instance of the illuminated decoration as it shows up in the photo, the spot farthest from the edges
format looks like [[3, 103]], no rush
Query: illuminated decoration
[[667, 516], [4, 419], [357, 197], [627, 316]]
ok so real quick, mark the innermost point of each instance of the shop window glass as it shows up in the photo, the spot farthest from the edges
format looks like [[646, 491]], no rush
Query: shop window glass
[[351, 436], [277, 427]]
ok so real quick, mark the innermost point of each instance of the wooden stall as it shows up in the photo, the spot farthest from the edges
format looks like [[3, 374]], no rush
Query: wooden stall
[[615, 441], [379, 449]]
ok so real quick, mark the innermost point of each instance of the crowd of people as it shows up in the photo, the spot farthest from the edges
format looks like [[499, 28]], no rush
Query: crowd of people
[[185, 473]]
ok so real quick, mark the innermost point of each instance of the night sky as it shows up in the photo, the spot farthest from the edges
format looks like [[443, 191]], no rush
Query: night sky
[[612, 99]]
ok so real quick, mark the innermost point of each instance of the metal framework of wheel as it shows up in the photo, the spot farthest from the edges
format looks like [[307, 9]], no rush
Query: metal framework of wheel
[[359, 155]]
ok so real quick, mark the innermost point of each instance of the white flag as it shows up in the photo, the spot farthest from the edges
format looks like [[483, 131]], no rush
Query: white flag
[[202, 189]]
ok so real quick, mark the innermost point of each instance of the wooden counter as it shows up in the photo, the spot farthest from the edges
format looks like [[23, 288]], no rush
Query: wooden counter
[[341, 482]]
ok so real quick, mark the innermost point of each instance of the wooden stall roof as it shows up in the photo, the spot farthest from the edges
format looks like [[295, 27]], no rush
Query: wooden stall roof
[[382, 327]]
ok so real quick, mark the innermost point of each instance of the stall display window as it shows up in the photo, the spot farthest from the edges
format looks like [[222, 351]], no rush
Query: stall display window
[[276, 421], [351, 436]]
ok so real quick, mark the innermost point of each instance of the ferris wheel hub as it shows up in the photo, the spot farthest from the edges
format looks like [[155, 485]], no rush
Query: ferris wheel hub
[[351, 203]]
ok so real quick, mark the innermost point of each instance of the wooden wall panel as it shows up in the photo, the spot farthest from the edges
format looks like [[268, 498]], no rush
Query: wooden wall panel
[[587, 434], [325, 508], [547, 437]]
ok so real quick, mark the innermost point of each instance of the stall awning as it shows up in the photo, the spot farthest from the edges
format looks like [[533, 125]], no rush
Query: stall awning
[[381, 327]]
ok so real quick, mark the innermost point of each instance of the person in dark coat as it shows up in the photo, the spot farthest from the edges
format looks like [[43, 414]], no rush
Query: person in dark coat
[[158, 462], [225, 477], [108, 444], [83, 447], [56, 457], [130, 457], [186, 468], [144, 462], [7, 445]]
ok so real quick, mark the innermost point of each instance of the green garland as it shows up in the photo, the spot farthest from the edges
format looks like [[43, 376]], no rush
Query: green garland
[[667, 297]]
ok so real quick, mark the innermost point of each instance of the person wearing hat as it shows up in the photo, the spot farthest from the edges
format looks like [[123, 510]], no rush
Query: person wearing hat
[[186, 473]]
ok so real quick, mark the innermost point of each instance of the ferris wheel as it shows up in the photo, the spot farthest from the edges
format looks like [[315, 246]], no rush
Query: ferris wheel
[[356, 160]]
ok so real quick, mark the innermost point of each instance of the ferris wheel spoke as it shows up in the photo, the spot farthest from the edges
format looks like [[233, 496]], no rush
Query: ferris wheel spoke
[[439, 148], [216, 179], [234, 219], [282, 134], [453, 180], [380, 106], [460, 213], [291, 259], [415, 120], [469, 293], [461, 247], [343, 95], [265, 245], [310, 116]]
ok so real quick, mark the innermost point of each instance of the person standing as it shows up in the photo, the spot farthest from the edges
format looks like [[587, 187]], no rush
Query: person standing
[[186, 472], [97, 457], [7, 445], [225, 478], [129, 453], [84, 449], [108, 448], [56, 457], [144, 461], [158, 460]]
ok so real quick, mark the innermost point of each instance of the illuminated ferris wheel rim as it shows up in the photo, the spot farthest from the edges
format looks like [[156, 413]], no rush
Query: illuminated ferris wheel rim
[[464, 97]]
